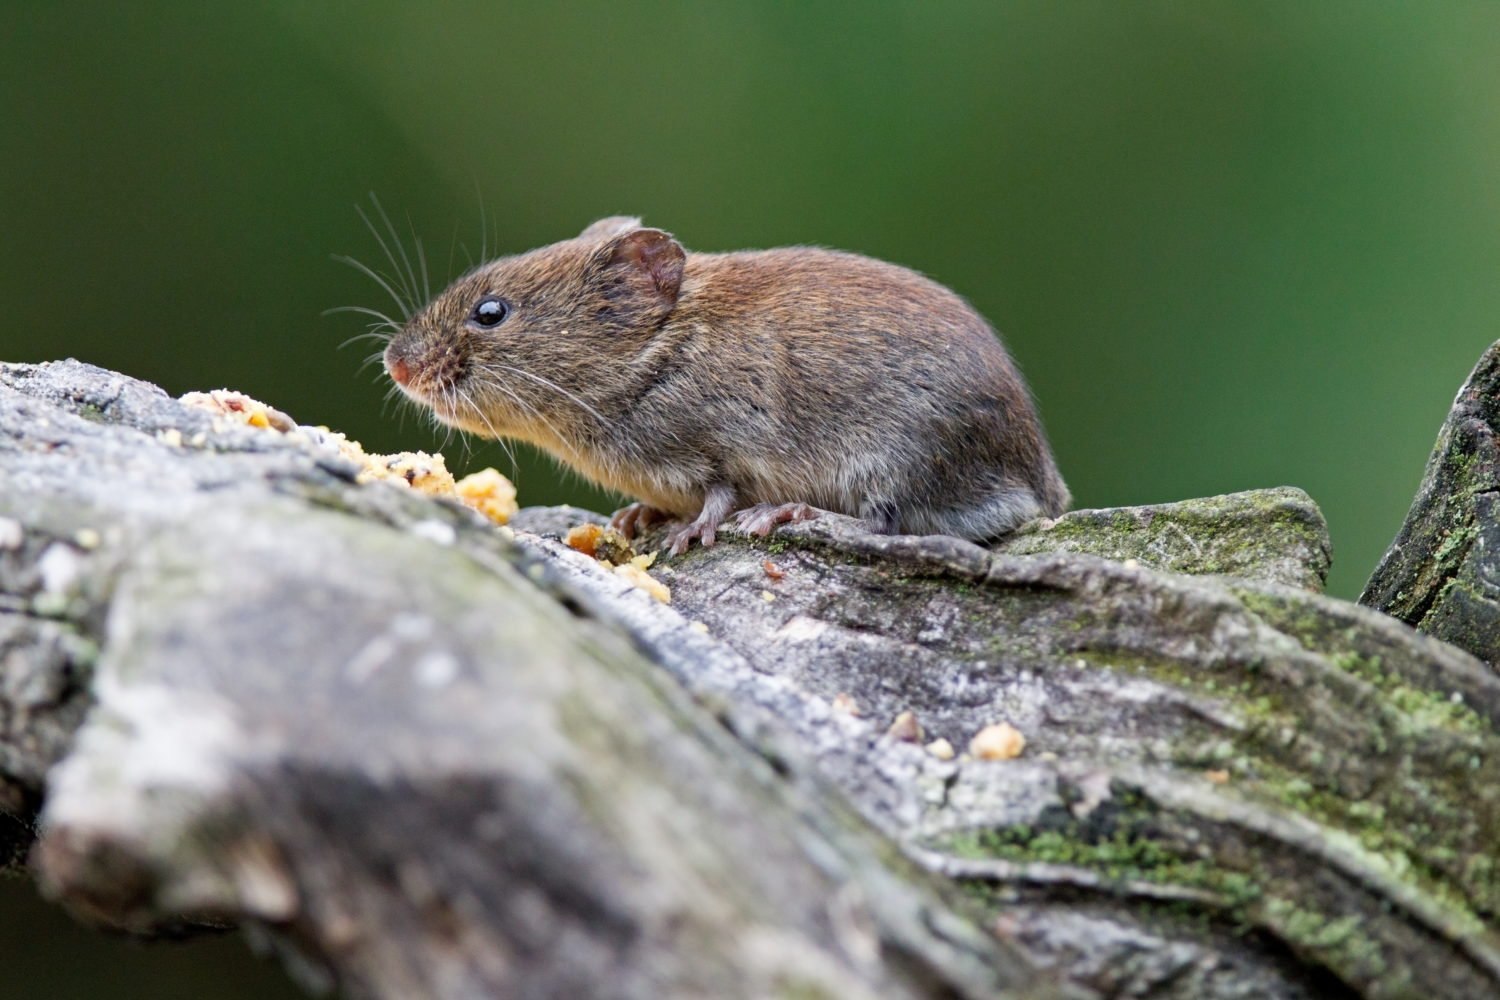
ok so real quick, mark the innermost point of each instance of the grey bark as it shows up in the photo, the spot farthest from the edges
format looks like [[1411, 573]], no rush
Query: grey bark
[[424, 758], [1442, 574]]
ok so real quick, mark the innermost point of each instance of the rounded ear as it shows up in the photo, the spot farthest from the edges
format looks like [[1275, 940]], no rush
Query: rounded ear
[[650, 255], [612, 226]]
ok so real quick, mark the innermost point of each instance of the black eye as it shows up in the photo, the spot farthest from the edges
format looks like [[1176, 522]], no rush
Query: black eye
[[491, 311]]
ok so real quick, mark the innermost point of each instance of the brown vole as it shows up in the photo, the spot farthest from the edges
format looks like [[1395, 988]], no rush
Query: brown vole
[[768, 382]]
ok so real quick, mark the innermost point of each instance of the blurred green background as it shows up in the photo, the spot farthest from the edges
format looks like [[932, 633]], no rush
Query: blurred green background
[[1232, 245]]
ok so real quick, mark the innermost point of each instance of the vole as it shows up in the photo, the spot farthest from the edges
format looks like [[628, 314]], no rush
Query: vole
[[771, 383]]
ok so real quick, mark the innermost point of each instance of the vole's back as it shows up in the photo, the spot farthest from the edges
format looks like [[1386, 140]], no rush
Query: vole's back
[[849, 383]]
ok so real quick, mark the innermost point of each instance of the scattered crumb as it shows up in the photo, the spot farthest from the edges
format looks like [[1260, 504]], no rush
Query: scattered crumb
[[490, 493], [239, 408], [844, 702], [422, 472], [87, 538], [604, 544], [906, 728], [612, 549], [1217, 777], [773, 571], [11, 534], [584, 538], [767, 596], [486, 491], [1000, 741], [638, 577], [1131, 564], [698, 627], [941, 749]]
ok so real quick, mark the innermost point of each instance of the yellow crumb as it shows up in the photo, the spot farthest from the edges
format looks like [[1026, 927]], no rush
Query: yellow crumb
[[1000, 741], [490, 493], [645, 581], [487, 491], [606, 545], [584, 538], [941, 749], [239, 407], [422, 472], [906, 728]]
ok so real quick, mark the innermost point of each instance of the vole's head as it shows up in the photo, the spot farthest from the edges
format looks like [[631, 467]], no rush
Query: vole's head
[[537, 345]]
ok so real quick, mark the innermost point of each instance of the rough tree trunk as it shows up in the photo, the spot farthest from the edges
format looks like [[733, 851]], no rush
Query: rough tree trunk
[[429, 758]]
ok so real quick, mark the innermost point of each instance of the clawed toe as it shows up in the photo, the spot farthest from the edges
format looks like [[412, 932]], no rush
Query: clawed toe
[[634, 518], [760, 519], [679, 538]]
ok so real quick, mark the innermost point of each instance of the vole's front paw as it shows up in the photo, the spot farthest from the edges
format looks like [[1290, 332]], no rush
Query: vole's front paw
[[760, 519], [637, 517]]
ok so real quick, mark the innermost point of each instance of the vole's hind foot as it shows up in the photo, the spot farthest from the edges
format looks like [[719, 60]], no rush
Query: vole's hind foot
[[717, 503], [636, 518], [760, 519]]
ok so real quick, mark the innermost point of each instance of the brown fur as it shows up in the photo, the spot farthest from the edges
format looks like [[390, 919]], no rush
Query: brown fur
[[762, 377]]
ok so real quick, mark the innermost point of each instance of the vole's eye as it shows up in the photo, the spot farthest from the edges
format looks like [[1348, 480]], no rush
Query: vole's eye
[[491, 311]]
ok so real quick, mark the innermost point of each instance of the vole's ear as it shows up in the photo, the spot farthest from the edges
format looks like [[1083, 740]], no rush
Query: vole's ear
[[648, 256], [612, 226]]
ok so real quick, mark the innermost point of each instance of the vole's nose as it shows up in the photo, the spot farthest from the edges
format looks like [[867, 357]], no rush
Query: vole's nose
[[396, 366]]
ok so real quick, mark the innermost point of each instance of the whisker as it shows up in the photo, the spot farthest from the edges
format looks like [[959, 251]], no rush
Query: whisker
[[504, 442], [378, 279], [396, 239], [452, 246], [381, 336], [364, 311], [409, 295], [553, 386], [484, 229], [372, 359], [422, 260]]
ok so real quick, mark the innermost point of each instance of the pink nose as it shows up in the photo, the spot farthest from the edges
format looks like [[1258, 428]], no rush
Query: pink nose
[[397, 368]]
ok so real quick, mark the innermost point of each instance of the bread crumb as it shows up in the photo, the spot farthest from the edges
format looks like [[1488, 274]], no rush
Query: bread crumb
[[490, 493], [584, 538], [604, 544], [422, 472], [486, 491], [1000, 741], [1217, 777], [906, 728], [239, 408], [941, 749], [639, 578], [773, 571]]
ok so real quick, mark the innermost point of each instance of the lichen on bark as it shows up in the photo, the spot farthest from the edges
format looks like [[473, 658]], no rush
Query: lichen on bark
[[1442, 573]]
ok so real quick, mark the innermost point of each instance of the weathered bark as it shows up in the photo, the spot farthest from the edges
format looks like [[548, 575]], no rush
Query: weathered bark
[[1442, 574], [429, 759]]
